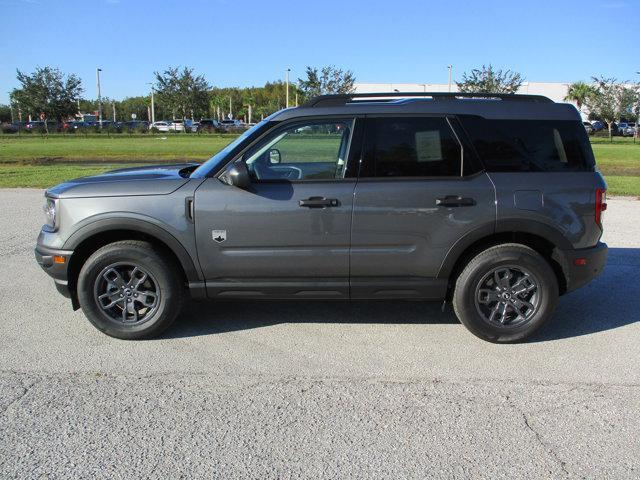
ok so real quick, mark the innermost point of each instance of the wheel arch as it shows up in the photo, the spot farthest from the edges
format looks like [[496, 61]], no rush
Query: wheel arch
[[95, 235], [542, 238]]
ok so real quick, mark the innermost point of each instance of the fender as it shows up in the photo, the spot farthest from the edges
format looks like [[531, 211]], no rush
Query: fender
[[142, 225], [533, 227]]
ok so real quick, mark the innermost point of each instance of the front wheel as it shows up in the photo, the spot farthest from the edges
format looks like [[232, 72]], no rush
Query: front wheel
[[129, 290], [506, 293]]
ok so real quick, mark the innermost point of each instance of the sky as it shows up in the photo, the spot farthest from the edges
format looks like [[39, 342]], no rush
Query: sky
[[245, 43]]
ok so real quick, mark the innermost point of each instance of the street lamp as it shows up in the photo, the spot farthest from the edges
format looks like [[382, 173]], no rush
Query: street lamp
[[638, 120], [287, 83], [450, 67], [98, 70], [153, 104]]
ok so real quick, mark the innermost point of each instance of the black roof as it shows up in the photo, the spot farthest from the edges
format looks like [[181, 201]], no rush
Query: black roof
[[494, 106]]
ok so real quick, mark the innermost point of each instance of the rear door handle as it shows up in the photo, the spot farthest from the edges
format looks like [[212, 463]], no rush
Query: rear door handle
[[455, 201], [319, 202]]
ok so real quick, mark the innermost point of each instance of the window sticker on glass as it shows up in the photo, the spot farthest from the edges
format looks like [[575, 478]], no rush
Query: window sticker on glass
[[428, 146]]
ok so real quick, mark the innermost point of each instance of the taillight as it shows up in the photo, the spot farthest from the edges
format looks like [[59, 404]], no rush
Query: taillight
[[601, 205]]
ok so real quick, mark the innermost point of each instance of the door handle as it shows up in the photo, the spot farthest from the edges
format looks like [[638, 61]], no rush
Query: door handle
[[455, 201], [319, 202]]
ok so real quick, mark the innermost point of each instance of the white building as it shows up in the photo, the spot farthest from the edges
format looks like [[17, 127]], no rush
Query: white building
[[554, 90]]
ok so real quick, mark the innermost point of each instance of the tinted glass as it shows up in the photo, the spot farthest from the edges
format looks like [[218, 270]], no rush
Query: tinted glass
[[530, 145], [304, 151], [411, 147]]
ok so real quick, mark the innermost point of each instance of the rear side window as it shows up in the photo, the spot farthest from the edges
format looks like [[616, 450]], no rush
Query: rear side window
[[530, 145], [411, 147]]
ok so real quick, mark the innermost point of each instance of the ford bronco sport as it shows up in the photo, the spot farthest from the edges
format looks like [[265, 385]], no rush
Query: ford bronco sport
[[491, 202]]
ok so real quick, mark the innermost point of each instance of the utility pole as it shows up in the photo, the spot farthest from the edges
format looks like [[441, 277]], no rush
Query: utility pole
[[287, 84], [98, 70], [230, 112], [153, 105], [113, 106], [450, 67], [638, 120]]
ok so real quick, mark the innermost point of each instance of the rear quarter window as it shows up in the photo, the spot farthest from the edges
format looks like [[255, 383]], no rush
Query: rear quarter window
[[530, 145]]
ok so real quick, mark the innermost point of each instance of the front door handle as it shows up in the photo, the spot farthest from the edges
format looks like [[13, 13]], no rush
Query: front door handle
[[319, 202], [455, 201]]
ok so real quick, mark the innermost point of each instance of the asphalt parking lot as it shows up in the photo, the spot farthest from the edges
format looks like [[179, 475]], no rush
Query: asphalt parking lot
[[318, 390]]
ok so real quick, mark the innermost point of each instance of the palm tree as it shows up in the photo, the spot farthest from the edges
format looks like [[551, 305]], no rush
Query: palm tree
[[579, 92]]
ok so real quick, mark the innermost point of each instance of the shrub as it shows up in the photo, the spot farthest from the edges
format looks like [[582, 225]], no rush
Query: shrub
[[141, 129]]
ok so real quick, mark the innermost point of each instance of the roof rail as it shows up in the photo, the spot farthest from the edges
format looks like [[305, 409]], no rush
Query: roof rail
[[343, 99]]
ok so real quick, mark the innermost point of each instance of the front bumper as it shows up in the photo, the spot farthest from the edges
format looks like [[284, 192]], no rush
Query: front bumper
[[583, 265], [58, 271]]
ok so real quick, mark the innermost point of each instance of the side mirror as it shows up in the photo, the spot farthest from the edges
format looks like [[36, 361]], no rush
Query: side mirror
[[274, 156], [237, 174]]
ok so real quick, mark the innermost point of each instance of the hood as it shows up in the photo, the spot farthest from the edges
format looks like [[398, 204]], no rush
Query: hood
[[147, 180]]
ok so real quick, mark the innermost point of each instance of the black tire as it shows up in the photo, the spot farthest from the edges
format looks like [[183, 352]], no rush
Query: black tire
[[162, 278], [474, 296]]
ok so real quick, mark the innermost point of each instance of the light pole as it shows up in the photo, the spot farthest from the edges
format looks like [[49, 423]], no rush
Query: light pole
[[638, 120], [153, 105], [450, 67], [287, 84], [98, 70]]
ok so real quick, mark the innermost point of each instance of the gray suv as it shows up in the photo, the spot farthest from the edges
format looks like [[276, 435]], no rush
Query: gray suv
[[490, 202]]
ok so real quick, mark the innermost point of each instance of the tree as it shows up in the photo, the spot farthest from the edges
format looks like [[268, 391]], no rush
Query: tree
[[329, 80], [5, 113], [579, 92], [182, 92], [48, 90], [611, 100], [137, 105], [488, 80]]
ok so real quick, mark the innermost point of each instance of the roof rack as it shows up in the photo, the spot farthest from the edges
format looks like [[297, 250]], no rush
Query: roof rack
[[343, 99]]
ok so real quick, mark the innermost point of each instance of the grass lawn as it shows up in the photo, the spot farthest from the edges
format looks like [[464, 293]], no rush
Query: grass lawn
[[32, 148], [44, 176], [36, 161]]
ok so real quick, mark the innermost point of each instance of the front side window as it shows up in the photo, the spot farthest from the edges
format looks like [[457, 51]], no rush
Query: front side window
[[303, 151], [411, 147]]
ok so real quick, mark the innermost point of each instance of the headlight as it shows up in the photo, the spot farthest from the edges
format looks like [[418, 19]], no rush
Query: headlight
[[51, 213]]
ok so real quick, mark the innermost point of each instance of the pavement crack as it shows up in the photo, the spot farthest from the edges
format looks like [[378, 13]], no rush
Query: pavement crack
[[545, 445], [25, 391]]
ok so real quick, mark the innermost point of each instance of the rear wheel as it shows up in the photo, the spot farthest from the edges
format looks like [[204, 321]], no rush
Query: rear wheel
[[506, 293], [129, 290]]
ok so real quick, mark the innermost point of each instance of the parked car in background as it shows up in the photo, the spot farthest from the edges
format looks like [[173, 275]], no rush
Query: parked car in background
[[588, 127], [161, 126], [133, 125], [229, 123], [34, 126], [73, 125], [194, 127], [628, 130], [13, 127], [176, 125], [597, 126], [208, 125]]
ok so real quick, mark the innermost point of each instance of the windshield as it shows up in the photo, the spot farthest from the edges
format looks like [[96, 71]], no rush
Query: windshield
[[211, 164]]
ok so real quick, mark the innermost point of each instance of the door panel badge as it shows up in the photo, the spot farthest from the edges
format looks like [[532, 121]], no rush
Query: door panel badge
[[219, 236]]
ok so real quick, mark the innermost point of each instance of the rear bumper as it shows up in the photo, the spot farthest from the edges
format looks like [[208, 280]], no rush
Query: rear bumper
[[57, 271], [583, 265]]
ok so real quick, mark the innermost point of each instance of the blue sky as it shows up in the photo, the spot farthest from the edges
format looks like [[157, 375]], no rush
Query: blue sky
[[242, 43]]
